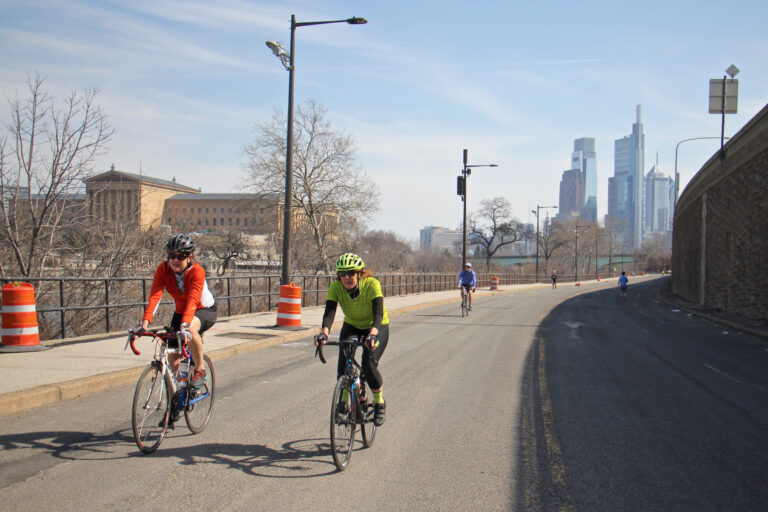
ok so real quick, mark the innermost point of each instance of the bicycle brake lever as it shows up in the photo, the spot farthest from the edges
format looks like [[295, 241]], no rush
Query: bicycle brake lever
[[319, 352]]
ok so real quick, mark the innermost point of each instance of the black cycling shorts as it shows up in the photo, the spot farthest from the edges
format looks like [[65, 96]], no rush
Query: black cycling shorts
[[207, 316]]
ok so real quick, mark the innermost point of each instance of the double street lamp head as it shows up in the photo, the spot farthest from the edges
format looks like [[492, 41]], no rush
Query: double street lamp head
[[277, 48], [280, 52], [357, 21]]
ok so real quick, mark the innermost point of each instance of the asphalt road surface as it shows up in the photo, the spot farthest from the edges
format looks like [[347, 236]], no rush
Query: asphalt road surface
[[565, 399]]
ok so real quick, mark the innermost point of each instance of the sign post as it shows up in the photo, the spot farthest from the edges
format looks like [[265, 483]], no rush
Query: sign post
[[724, 97]]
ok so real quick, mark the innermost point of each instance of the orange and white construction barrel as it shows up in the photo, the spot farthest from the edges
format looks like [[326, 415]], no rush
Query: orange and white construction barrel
[[19, 323], [494, 283], [289, 307]]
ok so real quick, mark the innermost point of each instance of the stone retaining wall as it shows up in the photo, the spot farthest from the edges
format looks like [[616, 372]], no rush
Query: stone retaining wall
[[720, 245]]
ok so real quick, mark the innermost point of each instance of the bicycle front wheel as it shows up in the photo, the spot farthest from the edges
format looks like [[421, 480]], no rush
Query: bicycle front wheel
[[150, 409], [200, 406], [464, 306], [342, 423]]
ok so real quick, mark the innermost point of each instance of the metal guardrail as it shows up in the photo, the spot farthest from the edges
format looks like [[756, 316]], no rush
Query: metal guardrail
[[65, 305]]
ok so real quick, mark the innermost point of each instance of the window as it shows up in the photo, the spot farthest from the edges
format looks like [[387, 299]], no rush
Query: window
[[206, 210], [222, 221], [199, 210], [237, 221], [214, 210], [229, 220], [229, 211], [198, 222], [245, 222], [214, 221], [206, 222]]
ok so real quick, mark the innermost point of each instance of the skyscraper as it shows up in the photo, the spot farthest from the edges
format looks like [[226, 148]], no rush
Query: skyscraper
[[571, 194], [625, 189], [584, 159], [659, 201]]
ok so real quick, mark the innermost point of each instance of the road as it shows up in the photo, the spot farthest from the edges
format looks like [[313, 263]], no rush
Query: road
[[540, 400]]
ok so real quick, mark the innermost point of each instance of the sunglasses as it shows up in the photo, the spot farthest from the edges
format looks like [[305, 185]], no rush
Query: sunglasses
[[181, 256], [347, 273]]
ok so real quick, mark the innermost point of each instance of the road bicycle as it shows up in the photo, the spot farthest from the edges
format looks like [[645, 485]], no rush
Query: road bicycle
[[349, 405], [161, 397], [464, 302]]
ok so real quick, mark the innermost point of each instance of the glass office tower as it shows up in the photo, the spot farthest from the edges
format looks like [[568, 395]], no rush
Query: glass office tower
[[584, 159]]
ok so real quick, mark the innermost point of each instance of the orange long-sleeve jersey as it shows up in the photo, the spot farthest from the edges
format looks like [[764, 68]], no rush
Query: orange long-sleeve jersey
[[195, 295]]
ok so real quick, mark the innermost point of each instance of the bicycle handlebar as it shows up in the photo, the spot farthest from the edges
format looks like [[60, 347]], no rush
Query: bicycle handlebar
[[352, 340], [163, 333]]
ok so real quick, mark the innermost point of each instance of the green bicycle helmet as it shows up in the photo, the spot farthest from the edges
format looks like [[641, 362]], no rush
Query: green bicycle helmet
[[349, 261]]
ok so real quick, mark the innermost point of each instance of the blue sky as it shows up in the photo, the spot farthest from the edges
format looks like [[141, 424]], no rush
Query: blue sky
[[184, 82]]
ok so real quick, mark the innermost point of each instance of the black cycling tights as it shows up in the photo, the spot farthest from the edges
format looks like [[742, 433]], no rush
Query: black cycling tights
[[370, 368]]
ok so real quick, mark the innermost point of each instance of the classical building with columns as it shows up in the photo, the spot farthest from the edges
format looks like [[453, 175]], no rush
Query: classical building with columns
[[151, 202], [116, 195]]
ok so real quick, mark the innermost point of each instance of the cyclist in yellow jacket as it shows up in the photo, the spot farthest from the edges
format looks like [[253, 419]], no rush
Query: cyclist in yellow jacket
[[362, 301]]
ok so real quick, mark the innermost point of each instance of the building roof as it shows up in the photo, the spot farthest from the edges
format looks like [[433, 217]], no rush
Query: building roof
[[655, 172], [224, 197], [138, 177]]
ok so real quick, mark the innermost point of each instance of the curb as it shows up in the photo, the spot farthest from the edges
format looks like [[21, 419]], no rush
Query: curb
[[722, 321], [26, 399]]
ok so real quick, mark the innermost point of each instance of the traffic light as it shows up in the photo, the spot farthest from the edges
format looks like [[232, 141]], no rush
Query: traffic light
[[460, 188]]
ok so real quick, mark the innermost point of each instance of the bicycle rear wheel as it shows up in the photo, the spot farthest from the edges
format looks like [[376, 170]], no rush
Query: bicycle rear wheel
[[342, 423], [200, 405], [150, 412], [368, 427]]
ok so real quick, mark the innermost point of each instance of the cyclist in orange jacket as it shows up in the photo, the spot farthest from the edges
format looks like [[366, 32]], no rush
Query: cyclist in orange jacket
[[195, 308]]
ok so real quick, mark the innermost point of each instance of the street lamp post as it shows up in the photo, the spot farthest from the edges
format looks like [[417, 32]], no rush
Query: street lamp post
[[597, 261], [536, 212], [462, 191], [677, 175], [576, 254], [287, 58]]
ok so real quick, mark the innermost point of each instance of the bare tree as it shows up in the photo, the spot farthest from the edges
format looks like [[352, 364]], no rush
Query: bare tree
[[550, 242], [434, 260], [384, 251], [44, 156], [227, 248], [328, 179], [492, 227], [616, 229]]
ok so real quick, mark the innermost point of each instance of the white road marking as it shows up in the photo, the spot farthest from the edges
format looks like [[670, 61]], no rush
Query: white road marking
[[734, 379]]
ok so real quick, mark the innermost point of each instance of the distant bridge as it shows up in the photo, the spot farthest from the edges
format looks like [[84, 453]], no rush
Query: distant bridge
[[510, 261]]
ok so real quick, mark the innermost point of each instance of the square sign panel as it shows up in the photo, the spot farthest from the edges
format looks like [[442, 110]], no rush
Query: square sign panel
[[716, 96]]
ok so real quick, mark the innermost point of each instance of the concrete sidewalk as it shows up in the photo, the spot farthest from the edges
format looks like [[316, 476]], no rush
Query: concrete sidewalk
[[80, 366]]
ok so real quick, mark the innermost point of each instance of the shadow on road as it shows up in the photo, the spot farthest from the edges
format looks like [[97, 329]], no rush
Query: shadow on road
[[294, 459]]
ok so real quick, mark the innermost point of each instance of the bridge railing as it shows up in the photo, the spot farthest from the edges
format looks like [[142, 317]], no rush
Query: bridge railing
[[77, 306]]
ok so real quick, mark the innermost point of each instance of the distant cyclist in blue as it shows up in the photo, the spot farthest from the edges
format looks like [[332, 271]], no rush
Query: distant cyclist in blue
[[467, 282], [623, 285]]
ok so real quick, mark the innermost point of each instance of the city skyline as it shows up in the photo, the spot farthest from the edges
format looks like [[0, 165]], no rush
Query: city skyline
[[185, 82]]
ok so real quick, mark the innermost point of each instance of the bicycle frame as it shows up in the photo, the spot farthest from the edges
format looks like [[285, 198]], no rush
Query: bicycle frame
[[353, 370], [161, 336]]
